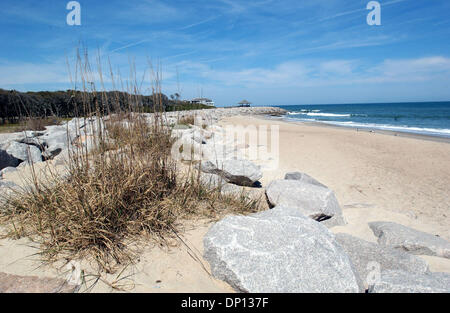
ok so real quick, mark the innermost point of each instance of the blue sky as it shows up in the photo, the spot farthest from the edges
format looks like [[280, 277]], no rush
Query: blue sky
[[271, 52]]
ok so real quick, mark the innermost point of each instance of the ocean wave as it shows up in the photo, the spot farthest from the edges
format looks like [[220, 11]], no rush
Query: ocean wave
[[327, 114], [407, 129], [316, 113], [306, 111]]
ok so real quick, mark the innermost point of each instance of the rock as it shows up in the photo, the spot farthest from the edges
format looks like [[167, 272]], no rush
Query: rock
[[187, 149], [62, 158], [190, 134], [22, 165], [239, 172], [362, 253], [217, 152], [207, 134], [8, 169], [232, 190], [410, 240], [56, 142], [34, 141], [407, 282], [303, 177], [197, 136], [318, 203], [24, 152], [212, 181], [7, 184], [7, 160], [32, 284], [215, 182], [278, 250], [181, 126]]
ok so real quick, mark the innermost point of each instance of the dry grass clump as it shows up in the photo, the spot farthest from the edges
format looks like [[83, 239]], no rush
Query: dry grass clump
[[187, 120]]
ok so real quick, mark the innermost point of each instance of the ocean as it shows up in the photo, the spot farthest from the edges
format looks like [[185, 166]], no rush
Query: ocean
[[426, 118]]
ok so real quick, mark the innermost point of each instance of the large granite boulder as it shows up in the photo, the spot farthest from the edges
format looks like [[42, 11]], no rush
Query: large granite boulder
[[407, 282], [217, 151], [367, 256], [410, 240], [212, 181], [7, 184], [239, 172], [189, 134], [8, 169], [33, 141], [216, 182], [303, 177], [278, 250], [316, 202], [32, 284], [186, 149], [7, 160], [56, 142], [24, 152], [232, 190]]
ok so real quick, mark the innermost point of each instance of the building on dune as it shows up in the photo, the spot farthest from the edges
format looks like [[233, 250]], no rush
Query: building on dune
[[204, 101]]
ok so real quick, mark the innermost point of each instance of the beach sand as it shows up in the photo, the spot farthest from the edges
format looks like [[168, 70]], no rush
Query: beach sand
[[376, 177]]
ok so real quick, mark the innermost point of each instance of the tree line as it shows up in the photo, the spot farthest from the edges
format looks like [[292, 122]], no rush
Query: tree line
[[15, 105]]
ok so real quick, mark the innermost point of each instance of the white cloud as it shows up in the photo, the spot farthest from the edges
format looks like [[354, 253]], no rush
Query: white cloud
[[326, 73], [30, 73], [337, 67]]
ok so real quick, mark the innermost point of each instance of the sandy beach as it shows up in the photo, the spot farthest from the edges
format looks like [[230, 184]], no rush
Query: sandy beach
[[376, 177]]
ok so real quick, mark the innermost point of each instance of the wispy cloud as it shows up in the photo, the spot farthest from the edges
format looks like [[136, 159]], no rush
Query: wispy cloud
[[199, 23], [128, 46], [331, 72]]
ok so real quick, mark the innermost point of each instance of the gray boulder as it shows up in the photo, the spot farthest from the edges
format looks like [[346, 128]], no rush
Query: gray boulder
[[217, 151], [212, 181], [34, 141], [316, 202], [7, 184], [8, 169], [7, 160], [24, 152], [303, 177], [190, 134], [181, 126], [56, 142], [239, 172], [407, 282], [197, 136], [216, 182], [410, 240], [278, 250], [232, 190], [364, 254]]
